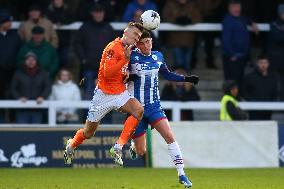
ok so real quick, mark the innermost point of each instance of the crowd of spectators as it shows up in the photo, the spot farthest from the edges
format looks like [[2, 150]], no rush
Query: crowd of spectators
[[32, 56]]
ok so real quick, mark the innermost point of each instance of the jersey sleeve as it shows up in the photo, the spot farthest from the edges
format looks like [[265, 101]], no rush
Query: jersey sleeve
[[114, 61], [167, 74]]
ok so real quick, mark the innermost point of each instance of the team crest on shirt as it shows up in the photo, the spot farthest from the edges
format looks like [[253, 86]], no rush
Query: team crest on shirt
[[136, 57], [154, 57], [110, 53]]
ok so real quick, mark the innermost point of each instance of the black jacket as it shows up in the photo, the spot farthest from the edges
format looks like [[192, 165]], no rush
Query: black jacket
[[235, 112], [31, 87], [260, 88], [9, 46], [90, 41]]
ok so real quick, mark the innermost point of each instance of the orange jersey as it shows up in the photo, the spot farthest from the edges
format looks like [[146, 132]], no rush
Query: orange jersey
[[113, 68]]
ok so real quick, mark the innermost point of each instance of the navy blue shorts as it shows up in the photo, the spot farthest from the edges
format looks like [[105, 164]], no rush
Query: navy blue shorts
[[150, 117]]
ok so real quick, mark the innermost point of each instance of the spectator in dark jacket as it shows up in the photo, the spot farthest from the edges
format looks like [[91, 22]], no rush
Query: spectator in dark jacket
[[10, 44], [135, 8], [180, 91], [89, 44], [260, 85], [236, 42], [30, 83], [59, 14], [275, 48]]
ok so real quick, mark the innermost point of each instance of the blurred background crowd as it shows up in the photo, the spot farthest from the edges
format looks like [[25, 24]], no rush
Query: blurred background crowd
[[40, 61]]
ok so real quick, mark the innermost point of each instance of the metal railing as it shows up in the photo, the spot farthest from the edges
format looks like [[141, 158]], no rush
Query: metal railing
[[163, 27], [176, 107]]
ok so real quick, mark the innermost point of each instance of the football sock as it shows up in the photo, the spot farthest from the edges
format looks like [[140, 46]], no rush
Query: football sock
[[129, 128], [176, 156], [78, 138]]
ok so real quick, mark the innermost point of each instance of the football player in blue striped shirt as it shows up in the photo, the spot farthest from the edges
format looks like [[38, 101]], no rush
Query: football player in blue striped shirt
[[144, 67]]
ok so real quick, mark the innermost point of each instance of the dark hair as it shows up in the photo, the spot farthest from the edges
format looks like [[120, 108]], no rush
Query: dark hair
[[137, 25], [35, 7], [97, 8], [230, 2], [62, 70], [145, 34], [262, 56], [228, 85]]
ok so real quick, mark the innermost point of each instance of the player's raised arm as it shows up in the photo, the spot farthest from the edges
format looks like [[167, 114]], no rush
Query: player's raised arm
[[171, 76]]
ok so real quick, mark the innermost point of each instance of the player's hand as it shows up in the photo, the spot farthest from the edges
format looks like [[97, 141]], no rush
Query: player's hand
[[23, 99], [39, 100], [254, 28], [127, 51], [194, 79]]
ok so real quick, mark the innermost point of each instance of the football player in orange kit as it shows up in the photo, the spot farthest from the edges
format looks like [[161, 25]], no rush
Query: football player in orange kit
[[111, 94]]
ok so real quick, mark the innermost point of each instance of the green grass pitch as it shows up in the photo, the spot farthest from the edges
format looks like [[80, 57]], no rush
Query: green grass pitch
[[139, 178]]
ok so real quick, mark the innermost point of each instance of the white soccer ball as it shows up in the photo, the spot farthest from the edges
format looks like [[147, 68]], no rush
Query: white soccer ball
[[150, 20]]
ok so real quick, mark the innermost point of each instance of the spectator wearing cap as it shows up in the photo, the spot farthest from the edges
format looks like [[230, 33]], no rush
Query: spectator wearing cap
[[10, 44], [46, 53], [275, 48], [30, 82], [230, 109], [260, 85], [35, 19], [89, 44], [59, 13]]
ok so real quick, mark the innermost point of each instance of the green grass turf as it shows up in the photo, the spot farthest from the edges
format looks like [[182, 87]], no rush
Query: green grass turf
[[139, 178]]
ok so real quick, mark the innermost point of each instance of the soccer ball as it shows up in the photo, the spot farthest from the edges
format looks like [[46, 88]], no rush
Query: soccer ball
[[150, 20]]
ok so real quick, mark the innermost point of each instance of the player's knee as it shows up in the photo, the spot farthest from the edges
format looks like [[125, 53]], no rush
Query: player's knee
[[88, 134], [141, 151]]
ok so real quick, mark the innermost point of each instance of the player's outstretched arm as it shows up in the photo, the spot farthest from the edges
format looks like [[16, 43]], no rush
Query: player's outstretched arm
[[171, 76]]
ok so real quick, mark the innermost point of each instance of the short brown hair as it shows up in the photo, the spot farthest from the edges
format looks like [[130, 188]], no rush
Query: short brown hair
[[136, 25]]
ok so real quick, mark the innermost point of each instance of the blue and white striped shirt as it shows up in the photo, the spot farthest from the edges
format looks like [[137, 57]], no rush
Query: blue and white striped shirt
[[146, 68]]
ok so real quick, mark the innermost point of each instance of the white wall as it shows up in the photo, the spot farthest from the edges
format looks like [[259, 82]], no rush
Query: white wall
[[221, 144]]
